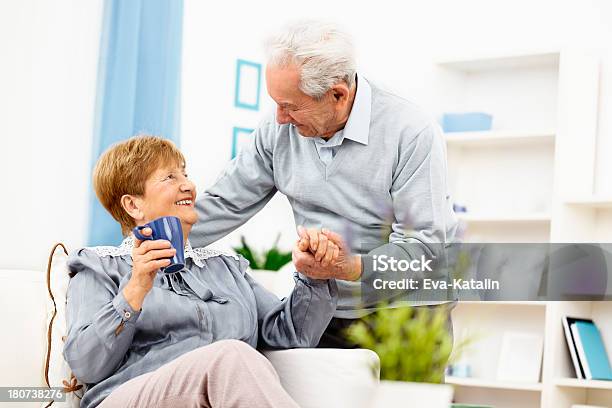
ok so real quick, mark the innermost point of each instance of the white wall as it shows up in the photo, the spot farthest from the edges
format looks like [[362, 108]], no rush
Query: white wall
[[49, 54], [48, 77]]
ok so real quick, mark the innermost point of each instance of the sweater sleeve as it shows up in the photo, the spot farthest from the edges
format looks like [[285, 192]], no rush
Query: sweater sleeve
[[242, 190], [298, 320]]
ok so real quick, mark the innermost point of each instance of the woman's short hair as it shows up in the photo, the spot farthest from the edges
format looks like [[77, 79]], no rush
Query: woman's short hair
[[124, 169], [323, 52]]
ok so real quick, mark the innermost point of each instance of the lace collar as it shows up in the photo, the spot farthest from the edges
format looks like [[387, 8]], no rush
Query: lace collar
[[198, 255]]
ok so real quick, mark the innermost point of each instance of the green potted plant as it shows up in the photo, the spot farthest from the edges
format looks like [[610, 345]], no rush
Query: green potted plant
[[271, 260], [414, 346], [264, 264]]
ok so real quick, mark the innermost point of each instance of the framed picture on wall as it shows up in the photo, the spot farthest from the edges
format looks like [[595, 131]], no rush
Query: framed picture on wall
[[248, 84], [240, 137]]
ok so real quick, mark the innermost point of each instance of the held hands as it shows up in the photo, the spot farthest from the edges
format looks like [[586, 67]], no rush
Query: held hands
[[324, 255], [147, 258]]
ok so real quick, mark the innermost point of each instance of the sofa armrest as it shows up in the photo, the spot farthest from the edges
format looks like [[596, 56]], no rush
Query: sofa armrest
[[23, 297], [327, 377]]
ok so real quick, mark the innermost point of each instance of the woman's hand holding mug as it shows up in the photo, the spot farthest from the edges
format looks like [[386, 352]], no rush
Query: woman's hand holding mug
[[147, 258]]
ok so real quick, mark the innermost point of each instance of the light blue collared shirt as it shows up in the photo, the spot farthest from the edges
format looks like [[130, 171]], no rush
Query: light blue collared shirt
[[357, 127]]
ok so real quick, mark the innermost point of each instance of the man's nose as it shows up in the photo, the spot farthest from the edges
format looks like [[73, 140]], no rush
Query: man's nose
[[281, 116]]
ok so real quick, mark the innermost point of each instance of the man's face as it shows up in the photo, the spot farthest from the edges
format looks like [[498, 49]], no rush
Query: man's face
[[310, 117]]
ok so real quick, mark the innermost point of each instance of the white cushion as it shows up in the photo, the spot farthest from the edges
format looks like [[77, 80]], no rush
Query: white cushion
[[327, 377], [59, 373], [280, 282]]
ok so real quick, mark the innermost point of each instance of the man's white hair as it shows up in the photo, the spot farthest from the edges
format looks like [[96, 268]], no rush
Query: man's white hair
[[322, 51]]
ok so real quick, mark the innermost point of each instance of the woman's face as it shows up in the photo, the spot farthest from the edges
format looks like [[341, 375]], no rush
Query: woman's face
[[169, 192]]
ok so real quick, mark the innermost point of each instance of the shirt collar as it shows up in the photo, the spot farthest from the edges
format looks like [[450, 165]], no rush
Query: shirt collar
[[128, 244], [335, 140], [357, 127]]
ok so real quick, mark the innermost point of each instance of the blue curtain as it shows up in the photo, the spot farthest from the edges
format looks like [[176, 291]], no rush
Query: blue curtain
[[138, 85]]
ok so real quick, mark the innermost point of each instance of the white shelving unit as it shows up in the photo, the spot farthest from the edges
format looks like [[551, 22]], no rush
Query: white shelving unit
[[529, 179], [507, 200], [583, 384], [505, 218], [591, 202], [535, 303], [487, 321], [501, 385], [483, 63], [592, 213], [499, 138]]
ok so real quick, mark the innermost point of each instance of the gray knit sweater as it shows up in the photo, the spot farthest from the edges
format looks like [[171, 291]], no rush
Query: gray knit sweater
[[385, 196]]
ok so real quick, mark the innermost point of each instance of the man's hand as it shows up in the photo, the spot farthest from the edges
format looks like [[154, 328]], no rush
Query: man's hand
[[324, 255], [147, 258], [323, 250]]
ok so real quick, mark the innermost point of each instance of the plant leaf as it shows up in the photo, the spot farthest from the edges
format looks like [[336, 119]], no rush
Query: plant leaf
[[248, 254], [413, 343]]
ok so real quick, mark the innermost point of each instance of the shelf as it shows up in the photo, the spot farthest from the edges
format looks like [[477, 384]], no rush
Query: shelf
[[498, 138], [493, 219], [504, 303], [576, 383], [502, 385], [507, 62], [595, 202]]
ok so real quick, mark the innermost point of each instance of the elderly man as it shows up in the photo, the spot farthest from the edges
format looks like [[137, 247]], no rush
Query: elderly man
[[360, 166]]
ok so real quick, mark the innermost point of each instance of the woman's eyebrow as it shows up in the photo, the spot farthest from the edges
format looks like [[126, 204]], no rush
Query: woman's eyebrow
[[163, 173]]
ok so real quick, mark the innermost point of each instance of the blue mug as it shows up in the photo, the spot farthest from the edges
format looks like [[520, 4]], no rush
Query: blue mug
[[168, 228]]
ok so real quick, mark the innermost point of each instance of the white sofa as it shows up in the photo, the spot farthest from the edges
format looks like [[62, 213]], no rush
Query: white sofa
[[314, 377]]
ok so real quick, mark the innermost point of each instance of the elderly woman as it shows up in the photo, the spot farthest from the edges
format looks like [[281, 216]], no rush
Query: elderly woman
[[138, 337]]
